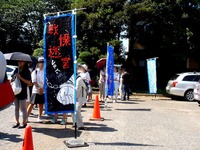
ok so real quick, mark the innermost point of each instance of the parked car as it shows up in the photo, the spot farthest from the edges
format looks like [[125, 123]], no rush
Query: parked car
[[9, 71], [183, 85]]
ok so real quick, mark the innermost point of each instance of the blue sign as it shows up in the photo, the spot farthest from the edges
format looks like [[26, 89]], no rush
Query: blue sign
[[152, 77], [110, 71]]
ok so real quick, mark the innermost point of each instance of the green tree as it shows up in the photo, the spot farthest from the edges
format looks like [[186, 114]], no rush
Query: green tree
[[101, 22], [39, 51], [22, 22]]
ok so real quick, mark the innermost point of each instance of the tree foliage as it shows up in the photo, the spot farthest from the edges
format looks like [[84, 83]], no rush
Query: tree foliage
[[159, 25]]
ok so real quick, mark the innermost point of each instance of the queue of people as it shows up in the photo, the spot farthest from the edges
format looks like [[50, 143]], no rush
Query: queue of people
[[34, 81], [121, 84]]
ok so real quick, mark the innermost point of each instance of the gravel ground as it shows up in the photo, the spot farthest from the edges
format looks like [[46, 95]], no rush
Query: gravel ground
[[140, 124]]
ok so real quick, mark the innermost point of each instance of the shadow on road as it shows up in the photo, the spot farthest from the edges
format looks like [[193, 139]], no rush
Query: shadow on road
[[126, 102], [10, 137], [99, 127], [140, 109], [124, 144], [138, 100], [57, 133]]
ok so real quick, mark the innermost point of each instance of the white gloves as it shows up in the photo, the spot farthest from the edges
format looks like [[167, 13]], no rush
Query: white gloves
[[66, 94]]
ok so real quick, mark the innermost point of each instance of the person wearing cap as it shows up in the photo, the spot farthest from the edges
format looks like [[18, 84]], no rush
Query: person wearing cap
[[80, 97], [86, 77], [37, 96]]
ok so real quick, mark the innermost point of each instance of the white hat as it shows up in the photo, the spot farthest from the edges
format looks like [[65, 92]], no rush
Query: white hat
[[85, 66], [40, 59]]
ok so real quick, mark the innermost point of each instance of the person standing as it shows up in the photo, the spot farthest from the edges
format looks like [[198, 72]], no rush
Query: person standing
[[88, 80], [37, 96], [102, 80], [80, 99], [24, 75], [121, 86], [125, 81], [83, 72], [116, 84], [2, 67]]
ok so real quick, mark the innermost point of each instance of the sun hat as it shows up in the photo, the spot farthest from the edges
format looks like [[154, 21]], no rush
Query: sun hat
[[85, 66]]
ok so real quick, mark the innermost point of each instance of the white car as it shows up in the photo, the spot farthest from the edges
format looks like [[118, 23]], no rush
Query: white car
[[9, 71], [183, 85]]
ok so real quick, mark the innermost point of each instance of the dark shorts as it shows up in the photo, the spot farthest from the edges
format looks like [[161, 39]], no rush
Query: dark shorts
[[37, 99]]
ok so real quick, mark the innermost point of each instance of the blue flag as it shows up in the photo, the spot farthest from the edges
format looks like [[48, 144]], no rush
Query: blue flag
[[152, 77], [110, 71]]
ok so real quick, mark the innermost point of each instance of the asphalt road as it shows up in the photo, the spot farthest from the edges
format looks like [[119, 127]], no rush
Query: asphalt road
[[138, 124]]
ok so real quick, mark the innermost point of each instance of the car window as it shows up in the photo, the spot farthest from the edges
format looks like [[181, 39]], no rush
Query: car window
[[197, 78], [9, 69], [174, 77], [192, 78]]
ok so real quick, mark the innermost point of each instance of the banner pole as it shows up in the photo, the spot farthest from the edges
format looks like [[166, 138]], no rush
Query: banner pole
[[73, 143], [106, 98], [75, 71]]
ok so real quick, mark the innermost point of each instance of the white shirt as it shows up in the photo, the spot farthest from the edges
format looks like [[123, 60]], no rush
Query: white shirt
[[116, 77], [85, 76], [37, 76], [102, 77]]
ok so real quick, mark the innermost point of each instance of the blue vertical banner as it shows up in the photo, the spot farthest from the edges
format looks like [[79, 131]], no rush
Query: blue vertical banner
[[110, 71], [59, 69], [152, 75]]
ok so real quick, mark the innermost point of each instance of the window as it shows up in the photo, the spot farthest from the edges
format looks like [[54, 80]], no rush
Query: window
[[192, 78], [197, 78], [174, 77]]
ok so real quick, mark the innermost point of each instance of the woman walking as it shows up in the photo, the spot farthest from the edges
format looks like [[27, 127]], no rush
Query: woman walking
[[24, 75]]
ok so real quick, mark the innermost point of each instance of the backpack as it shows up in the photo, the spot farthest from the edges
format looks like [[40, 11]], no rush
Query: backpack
[[86, 84]]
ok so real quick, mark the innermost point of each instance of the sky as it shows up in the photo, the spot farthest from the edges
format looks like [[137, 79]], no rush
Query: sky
[[125, 43]]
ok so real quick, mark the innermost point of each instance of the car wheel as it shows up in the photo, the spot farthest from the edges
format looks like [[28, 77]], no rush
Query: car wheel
[[189, 95]]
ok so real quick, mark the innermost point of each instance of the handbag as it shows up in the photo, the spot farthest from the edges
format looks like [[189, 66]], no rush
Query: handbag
[[16, 86], [7, 95]]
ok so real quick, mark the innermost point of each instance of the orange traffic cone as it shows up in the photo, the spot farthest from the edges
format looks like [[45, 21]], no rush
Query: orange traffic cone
[[96, 112], [28, 139]]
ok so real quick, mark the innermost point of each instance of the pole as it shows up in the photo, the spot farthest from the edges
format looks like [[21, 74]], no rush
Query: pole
[[75, 71], [61, 12], [106, 98]]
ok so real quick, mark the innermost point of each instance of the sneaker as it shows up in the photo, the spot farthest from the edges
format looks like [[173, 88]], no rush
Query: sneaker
[[16, 125], [39, 120], [82, 128], [63, 122], [22, 127], [53, 120]]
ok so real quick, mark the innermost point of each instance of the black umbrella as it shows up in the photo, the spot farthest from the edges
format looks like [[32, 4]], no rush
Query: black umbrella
[[18, 56]]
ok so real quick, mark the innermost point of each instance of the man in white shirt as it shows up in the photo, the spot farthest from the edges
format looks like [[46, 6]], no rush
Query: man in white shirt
[[37, 96]]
